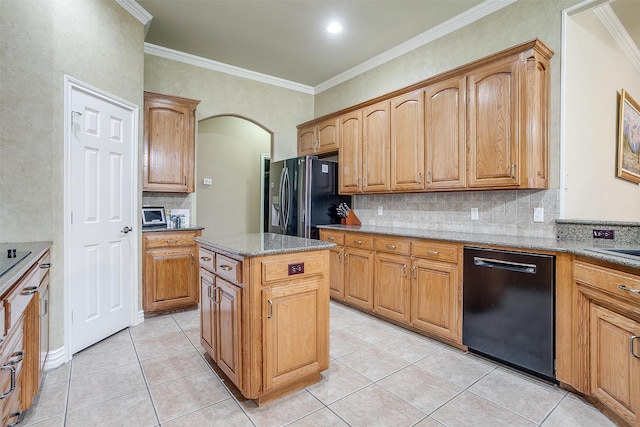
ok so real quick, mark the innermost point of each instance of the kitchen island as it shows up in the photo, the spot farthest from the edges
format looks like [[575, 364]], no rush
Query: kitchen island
[[264, 310]]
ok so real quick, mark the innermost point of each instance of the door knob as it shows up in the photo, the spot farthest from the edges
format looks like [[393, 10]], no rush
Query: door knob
[[126, 230]]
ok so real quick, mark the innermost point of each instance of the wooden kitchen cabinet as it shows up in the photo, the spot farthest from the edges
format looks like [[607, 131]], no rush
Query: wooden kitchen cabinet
[[350, 154], [359, 270], [319, 138], [436, 289], [265, 319], [445, 134], [376, 141], [336, 262], [169, 143], [170, 270], [391, 289], [407, 142], [602, 347]]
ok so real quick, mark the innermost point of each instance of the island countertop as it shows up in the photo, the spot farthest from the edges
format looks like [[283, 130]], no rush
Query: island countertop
[[260, 244]]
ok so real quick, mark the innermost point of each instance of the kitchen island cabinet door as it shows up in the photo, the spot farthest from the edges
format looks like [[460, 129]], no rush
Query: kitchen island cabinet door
[[391, 288], [207, 302], [435, 298], [295, 328], [358, 277], [227, 324], [615, 362]]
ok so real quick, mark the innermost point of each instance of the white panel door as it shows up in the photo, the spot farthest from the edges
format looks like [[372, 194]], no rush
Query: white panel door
[[101, 202]]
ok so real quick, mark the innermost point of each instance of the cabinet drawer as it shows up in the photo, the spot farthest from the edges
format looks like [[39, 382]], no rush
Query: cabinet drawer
[[228, 268], [164, 240], [608, 280], [206, 259], [432, 250], [293, 266], [394, 245], [357, 240], [336, 237], [17, 301]]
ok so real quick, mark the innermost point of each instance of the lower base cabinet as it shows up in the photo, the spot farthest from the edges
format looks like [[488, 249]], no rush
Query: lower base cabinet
[[266, 329]]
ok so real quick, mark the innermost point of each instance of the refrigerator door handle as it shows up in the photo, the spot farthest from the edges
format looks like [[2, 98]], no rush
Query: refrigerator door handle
[[284, 198]]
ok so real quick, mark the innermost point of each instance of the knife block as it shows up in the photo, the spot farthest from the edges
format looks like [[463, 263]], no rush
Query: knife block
[[351, 219]]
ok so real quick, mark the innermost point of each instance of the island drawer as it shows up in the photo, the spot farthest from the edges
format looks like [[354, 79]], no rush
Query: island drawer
[[357, 240], [336, 237], [228, 268], [292, 266], [206, 259], [433, 250], [154, 240]]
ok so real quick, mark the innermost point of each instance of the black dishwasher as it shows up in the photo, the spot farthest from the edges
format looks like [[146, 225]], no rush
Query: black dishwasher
[[509, 314]]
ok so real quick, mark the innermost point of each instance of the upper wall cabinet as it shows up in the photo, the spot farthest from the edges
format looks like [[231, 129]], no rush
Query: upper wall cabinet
[[318, 139], [169, 143], [483, 125]]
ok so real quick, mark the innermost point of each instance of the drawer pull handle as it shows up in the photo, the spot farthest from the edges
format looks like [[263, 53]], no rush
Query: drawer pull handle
[[19, 355], [226, 267], [13, 381], [391, 246], [18, 416], [331, 238], [29, 290], [172, 241], [633, 338], [404, 270], [433, 252], [45, 265], [270, 314], [206, 258], [633, 291], [358, 242]]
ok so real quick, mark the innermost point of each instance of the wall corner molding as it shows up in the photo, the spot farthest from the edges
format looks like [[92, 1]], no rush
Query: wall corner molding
[[611, 22], [136, 11]]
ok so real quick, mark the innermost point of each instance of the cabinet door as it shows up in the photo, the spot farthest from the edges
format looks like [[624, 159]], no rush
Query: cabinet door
[[435, 298], [615, 362], [350, 154], [336, 274], [493, 117], [207, 330], [391, 289], [358, 277], [170, 278], [445, 143], [169, 144], [407, 142], [306, 140], [376, 140], [328, 135], [292, 333], [227, 321]]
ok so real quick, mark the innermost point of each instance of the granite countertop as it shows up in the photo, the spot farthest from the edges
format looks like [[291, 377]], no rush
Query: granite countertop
[[165, 228], [516, 242], [259, 244], [11, 276]]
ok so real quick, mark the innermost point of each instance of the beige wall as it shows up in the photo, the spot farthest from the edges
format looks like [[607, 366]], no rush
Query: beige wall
[[276, 109], [228, 152], [596, 71], [95, 41]]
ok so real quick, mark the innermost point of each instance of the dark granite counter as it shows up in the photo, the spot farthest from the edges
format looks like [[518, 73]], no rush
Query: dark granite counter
[[581, 248], [259, 244], [36, 250]]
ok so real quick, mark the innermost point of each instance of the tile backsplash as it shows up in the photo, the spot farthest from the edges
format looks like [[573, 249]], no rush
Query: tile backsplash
[[168, 200], [505, 212]]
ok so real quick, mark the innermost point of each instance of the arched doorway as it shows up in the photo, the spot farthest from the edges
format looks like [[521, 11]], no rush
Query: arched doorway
[[231, 153]]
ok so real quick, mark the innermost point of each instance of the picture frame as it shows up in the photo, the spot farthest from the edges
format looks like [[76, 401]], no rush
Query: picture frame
[[628, 138]]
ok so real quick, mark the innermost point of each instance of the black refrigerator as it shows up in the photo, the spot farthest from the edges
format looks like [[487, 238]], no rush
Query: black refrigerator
[[303, 194]]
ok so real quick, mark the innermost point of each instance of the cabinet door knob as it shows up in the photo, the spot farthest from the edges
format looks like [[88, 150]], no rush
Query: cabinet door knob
[[633, 338], [331, 238], [270, 314]]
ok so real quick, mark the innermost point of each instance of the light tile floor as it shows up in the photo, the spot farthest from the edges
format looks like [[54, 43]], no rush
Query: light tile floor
[[157, 374]]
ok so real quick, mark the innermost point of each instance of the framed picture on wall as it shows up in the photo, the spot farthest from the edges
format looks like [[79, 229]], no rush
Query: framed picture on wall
[[628, 138]]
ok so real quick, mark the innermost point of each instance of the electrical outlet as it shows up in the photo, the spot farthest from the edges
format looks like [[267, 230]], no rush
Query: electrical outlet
[[380, 210], [207, 181], [538, 214], [297, 268], [474, 213], [602, 234]]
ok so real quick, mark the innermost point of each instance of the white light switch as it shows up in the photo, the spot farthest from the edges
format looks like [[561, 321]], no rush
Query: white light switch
[[538, 214], [380, 210], [474, 213]]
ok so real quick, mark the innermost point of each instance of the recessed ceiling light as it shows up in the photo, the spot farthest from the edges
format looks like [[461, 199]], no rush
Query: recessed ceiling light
[[334, 27]]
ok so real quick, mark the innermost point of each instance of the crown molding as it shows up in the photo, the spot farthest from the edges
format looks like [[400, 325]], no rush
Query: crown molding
[[199, 61], [480, 11], [619, 34], [136, 11]]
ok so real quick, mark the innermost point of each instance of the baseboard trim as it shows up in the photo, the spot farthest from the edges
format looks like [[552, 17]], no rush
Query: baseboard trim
[[55, 359]]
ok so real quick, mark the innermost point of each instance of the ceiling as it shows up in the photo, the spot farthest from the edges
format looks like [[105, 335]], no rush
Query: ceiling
[[287, 39]]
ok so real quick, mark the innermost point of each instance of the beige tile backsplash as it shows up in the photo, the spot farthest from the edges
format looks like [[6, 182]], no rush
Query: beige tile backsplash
[[506, 212]]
